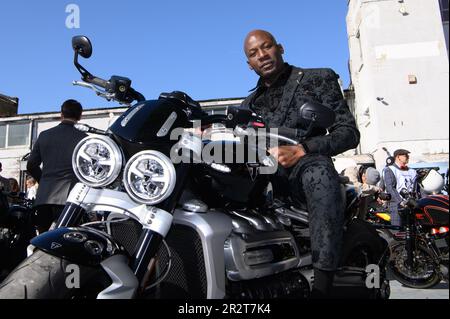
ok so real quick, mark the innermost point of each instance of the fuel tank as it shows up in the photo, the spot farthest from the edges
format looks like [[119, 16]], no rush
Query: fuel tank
[[148, 125], [433, 210]]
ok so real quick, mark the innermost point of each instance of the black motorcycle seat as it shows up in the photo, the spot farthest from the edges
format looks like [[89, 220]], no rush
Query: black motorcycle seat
[[302, 206]]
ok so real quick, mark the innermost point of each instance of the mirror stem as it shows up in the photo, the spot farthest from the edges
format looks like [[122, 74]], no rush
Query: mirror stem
[[84, 73]]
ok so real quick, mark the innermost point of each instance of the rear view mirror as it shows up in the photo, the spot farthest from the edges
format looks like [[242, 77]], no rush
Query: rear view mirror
[[316, 115], [82, 45]]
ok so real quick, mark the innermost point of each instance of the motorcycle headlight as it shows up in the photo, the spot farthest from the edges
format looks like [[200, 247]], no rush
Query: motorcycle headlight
[[97, 161], [149, 177]]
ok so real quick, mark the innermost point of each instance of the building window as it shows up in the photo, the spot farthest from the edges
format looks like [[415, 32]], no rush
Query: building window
[[14, 135], [444, 10], [18, 134], [2, 136]]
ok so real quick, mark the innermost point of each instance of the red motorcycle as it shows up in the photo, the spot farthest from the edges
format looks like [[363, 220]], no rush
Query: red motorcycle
[[419, 250]]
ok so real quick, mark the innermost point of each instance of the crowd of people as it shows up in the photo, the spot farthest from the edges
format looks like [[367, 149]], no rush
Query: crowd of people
[[394, 178], [11, 185]]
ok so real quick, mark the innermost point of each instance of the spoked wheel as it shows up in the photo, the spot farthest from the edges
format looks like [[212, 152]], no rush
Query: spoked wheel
[[422, 274]]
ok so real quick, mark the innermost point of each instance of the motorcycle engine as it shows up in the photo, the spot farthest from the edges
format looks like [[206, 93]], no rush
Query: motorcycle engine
[[261, 259]]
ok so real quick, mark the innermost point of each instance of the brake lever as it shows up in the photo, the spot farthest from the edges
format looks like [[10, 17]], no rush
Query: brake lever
[[86, 85], [98, 92]]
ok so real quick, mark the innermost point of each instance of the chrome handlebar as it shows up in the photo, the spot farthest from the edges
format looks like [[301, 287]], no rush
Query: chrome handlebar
[[241, 131]]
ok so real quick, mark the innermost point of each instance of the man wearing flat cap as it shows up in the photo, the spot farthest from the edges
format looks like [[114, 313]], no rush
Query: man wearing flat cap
[[397, 177]]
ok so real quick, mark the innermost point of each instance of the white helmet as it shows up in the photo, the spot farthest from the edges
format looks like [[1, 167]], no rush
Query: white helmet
[[433, 183]]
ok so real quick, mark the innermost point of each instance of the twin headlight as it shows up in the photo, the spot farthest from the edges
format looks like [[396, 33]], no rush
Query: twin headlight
[[97, 161], [149, 176]]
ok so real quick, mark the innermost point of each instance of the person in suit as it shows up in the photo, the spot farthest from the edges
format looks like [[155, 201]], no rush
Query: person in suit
[[306, 172], [4, 182], [54, 148]]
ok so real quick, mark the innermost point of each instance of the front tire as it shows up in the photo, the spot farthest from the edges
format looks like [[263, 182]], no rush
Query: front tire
[[425, 272], [43, 276]]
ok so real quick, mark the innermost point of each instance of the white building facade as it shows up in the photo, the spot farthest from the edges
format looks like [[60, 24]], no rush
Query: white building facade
[[400, 75]]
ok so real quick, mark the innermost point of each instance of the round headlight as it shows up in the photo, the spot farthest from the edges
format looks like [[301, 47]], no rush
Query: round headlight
[[97, 161], [149, 177]]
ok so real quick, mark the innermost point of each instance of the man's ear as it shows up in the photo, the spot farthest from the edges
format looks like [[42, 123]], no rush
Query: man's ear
[[280, 47], [249, 66]]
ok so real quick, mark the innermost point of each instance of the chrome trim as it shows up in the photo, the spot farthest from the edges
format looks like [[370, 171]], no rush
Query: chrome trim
[[124, 283], [282, 138], [305, 260], [94, 199], [195, 206], [167, 125], [294, 213], [136, 109], [78, 193], [115, 159], [235, 248], [213, 229], [274, 223], [241, 225], [254, 219], [169, 177]]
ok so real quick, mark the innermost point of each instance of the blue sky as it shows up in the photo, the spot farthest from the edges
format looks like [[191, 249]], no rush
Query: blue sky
[[193, 46]]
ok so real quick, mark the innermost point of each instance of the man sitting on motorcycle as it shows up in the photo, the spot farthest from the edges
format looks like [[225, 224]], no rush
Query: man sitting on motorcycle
[[307, 172]]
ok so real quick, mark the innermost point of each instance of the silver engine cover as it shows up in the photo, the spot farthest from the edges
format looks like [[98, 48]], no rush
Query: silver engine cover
[[258, 247], [240, 245]]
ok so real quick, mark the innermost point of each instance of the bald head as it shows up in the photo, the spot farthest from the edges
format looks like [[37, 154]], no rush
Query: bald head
[[258, 33], [264, 54]]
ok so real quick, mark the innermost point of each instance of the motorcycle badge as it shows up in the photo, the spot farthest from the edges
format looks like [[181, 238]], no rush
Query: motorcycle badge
[[55, 245], [253, 170]]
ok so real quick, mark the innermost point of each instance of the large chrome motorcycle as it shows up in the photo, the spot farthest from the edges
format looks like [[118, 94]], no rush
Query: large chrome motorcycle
[[139, 225]]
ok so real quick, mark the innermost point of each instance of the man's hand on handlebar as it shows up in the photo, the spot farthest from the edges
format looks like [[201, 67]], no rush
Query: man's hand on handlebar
[[288, 155]]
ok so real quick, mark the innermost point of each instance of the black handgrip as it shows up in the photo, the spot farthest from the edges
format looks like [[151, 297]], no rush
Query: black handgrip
[[97, 81], [215, 118], [288, 132]]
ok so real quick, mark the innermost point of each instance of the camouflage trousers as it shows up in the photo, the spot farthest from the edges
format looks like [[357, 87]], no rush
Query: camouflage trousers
[[314, 181]]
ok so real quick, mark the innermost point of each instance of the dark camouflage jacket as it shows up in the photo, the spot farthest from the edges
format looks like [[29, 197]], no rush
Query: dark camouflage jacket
[[318, 85]]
